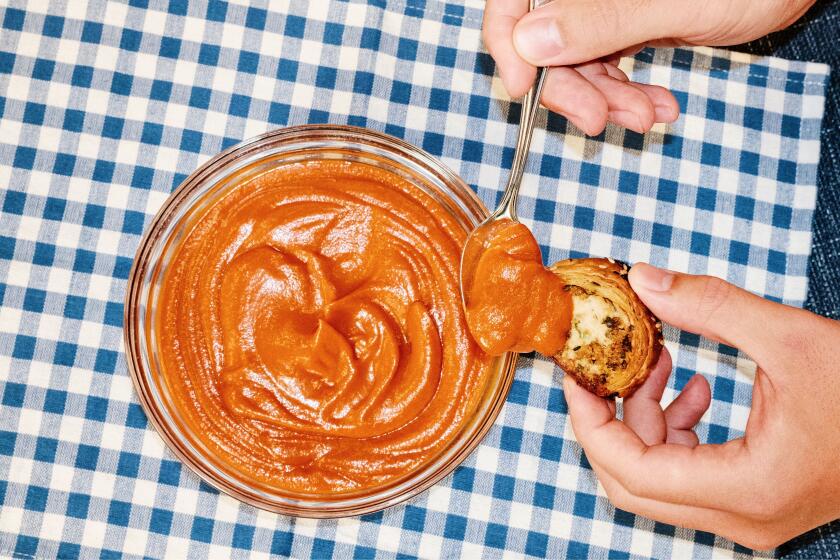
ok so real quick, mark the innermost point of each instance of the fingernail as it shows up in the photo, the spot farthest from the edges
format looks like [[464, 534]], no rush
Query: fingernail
[[665, 113], [538, 39], [651, 278]]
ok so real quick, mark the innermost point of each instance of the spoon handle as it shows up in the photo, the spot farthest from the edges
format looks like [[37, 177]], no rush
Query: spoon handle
[[530, 104]]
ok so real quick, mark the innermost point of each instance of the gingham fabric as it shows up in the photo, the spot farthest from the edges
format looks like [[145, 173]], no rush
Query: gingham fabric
[[105, 108]]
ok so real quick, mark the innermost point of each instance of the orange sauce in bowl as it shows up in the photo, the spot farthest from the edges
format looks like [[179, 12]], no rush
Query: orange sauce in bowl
[[311, 332]]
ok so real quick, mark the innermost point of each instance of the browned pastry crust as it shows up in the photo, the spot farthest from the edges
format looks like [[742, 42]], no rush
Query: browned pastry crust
[[615, 340]]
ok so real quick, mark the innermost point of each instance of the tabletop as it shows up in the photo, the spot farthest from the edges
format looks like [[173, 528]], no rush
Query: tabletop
[[106, 107]]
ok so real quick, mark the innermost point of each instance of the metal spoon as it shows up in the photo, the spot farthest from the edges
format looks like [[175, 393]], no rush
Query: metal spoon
[[476, 241]]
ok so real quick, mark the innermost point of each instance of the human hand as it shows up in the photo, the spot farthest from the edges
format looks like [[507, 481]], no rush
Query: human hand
[[582, 40], [782, 477]]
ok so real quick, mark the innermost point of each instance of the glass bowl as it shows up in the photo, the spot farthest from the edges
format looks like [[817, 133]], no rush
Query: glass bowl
[[173, 223]]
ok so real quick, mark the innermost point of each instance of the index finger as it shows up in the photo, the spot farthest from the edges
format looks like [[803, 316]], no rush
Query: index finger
[[500, 17], [708, 476]]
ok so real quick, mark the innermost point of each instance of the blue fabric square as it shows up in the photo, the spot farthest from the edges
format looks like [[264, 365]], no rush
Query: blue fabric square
[[439, 99], [130, 40], [119, 513], [672, 145], [142, 178], [216, 10], [43, 69], [363, 83], [122, 267], [744, 207], [776, 261], [551, 447], [536, 544], [7, 247], [623, 226], [64, 164], [455, 527], [24, 347], [295, 26], [701, 243], [91, 32], [278, 113], [628, 182], [433, 143], [26, 546], [661, 235], [24, 158], [584, 505], [170, 47], [248, 62], [325, 78], [13, 394], [170, 473], [495, 536], [136, 418], [82, 76], [322, 548], [255, 18], [73, 120], [463, 478], [364, 553], [739, 252], [370, 38], [718, 434], [511, 439], [715, 110], [518, 392], [333, 33], [544, 495], [69, 551], [54, 401], [557, 401], [749, 163], [103, 171], [577, 550], [503, 487], [106, 360], [239, 105], [33, 300], [53, 26], [177, 7], [400, 92], [584, 218], [7, 62], [94, 216], [200, 97], [407, 49], [152, 133], [96, 409], [202, 530], [45, 449], [161, 521], [243, 536], [87, 457], [706, 199], [191, 141], [65, 354], [624, 518], [36, 498], [791, 126], [753, 118], [590, 174], [128, 465], [786, 172], [14, 204], [77, 505], [84, 261], [472, 151], [54, 208], [287, 70], [208, 54], [446, 56], [33, 113], [14, 19], [724, 389], [414, 518], [112, 127], [710, 154], [7, 442], [281, 543]]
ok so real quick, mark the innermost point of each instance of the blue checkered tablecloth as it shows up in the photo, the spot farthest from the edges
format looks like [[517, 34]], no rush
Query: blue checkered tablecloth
[[105, 108]]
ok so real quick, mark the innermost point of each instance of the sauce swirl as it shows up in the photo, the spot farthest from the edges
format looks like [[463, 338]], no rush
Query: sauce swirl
[[311, 331]]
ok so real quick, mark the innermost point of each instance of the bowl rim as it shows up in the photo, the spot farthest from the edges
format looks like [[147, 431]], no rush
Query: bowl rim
[[155, 234]]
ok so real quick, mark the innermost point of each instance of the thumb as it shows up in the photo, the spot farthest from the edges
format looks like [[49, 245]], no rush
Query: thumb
[[574, 31], [720, 311]]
